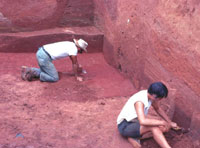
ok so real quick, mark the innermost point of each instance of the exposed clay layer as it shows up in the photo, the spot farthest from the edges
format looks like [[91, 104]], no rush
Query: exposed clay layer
[[29, 15], [146, 40], [30, 41], [155, 41]]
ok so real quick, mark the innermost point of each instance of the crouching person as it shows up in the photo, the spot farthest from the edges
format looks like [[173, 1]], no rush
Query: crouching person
[[133, 123], [50, 52]]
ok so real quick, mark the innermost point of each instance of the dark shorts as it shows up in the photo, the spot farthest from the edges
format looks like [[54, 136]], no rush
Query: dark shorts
[[130, 129]]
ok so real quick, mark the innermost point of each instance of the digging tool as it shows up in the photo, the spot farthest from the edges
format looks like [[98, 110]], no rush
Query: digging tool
[[180, 130]]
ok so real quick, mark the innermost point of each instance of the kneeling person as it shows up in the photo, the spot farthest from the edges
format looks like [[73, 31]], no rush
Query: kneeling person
[[47, 53]]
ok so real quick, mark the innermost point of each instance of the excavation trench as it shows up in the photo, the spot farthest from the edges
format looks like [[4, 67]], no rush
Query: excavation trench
[[130, 46]]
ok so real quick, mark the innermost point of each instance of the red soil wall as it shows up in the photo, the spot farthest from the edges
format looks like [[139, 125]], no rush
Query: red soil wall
[[27, 24], [148, 40], [29, 15], [152, 40]]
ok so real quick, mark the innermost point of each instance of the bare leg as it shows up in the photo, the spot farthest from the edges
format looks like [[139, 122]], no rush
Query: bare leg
[[157, 135], [160, 138], [134, 143]]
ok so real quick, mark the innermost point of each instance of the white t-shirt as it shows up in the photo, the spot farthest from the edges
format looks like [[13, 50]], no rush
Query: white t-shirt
[[60, 50], [128, 112]]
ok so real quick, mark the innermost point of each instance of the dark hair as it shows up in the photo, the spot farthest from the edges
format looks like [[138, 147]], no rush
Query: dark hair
[[158, 89]]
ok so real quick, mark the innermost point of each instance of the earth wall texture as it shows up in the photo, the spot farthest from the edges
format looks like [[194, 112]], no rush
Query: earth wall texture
[[26, 25], [30, 15], [148, 40], [155, 40]]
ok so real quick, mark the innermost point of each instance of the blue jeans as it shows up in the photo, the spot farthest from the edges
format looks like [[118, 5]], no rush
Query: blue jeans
[[47, 71]]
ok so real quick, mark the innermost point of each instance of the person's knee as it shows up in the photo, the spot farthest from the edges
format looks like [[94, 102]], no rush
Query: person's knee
[[163, 129], [55, 79], [159, 129], [46, 78], [155, 129]]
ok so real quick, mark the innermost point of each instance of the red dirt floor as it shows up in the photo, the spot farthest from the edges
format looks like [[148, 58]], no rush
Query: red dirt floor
[[65, 114]]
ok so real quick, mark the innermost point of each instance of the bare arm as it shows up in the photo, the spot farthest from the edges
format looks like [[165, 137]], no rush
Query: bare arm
[[75, 66], [139, 106], [162, 114]]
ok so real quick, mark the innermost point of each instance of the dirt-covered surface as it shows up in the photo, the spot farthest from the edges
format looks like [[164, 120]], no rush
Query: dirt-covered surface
[[146, 40], [66, 114]]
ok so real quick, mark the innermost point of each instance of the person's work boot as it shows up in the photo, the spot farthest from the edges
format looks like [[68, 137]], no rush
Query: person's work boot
[[28, 74], [24, 71], [35, 74]]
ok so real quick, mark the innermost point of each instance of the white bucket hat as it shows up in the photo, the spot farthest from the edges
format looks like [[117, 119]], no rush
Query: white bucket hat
[[81, 43]]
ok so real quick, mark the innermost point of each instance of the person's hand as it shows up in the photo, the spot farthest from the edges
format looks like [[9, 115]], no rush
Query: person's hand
[[167, 127], [174, 125], [80, 79]]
